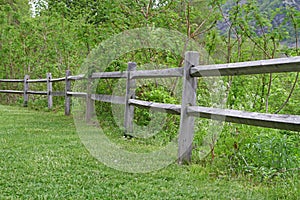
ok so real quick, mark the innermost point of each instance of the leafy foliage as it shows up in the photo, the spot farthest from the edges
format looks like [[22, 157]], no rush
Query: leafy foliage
[[62, 33]]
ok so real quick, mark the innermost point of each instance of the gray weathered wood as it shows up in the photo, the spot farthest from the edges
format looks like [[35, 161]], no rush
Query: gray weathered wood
[[77, 77], [37, 92], [109, 75], [285, 122], [279, 65], [12, 80], [108, 98], [161, 73], [130, 94], [77, 94], [37, 81], [26, 88], [67, 97], [58, 79], [49, 90], [160, 107], [89, 102], [186, 132], [12, 91]]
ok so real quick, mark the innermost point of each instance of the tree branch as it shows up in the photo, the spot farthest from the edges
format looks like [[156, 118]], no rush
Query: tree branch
[[290, 95]]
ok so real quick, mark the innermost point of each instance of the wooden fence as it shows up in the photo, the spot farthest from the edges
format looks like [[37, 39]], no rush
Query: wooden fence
[[188, 109]]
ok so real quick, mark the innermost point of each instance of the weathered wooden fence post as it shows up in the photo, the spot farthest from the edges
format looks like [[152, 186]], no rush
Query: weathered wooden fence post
[[89, 101], [189, 98], [26, 88], [67, 97], [130, 94], [49, 90]]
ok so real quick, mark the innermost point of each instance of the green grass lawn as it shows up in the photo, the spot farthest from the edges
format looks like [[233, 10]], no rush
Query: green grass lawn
[[41, 157]]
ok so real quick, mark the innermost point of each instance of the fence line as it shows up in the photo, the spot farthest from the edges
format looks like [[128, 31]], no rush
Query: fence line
[[278, 65], [188, 109]]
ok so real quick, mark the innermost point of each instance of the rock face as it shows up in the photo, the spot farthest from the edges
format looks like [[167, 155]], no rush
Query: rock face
[[266, 6], [293, 3]]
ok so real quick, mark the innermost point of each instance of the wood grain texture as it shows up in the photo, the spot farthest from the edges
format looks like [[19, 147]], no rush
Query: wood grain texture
[[279, 65], [186, 131], [285, 122], [160, 107], [161, 73], [130, 94], [109, 75]]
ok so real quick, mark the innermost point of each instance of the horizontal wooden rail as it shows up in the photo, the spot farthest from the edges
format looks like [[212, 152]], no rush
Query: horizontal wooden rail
[[285, 122], [77, 77], [161, 107], [37, 92], [12, 91], [280, 65], [36, 81], [12, 80], [108, 98], [58, 79], [161, 73], [77, 94], [107, 75]]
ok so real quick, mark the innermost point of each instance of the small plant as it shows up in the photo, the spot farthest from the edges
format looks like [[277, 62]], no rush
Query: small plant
[[268, 155], [152, 93]]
